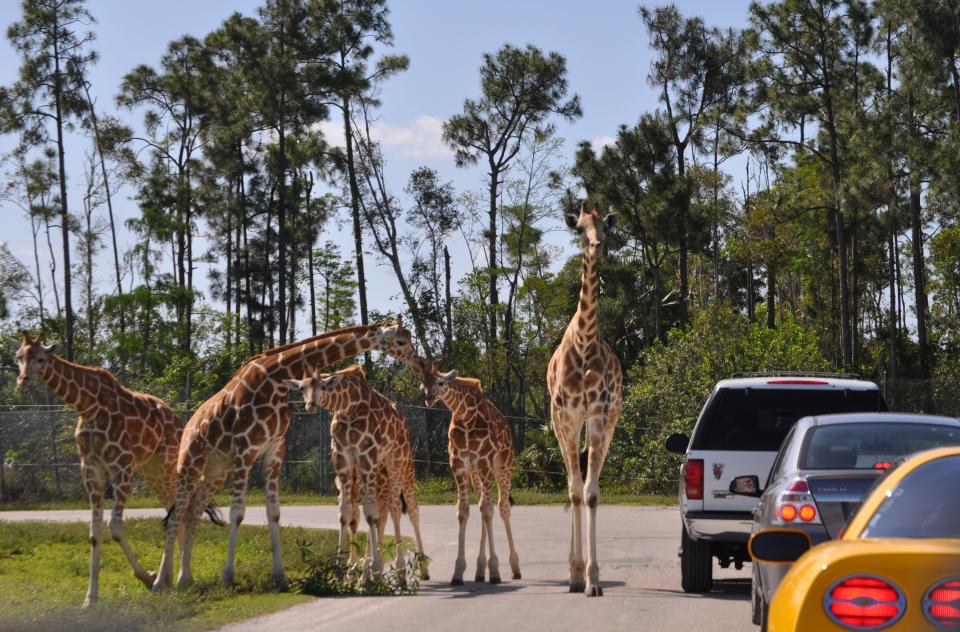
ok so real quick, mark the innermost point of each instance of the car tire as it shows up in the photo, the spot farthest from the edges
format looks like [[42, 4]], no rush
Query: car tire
[[696, 564]]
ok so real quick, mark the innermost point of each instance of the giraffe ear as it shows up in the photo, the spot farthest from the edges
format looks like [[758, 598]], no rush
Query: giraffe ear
[[571, 220], [449, 376], [436, 363], [50, 348], [293, 385], [25, 336], [610, 220]]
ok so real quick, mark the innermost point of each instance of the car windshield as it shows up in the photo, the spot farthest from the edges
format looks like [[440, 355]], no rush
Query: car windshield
[[757, 419], [864, 446], [922, 505]]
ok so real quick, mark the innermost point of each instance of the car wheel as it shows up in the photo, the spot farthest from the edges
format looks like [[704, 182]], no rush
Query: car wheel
[[696, 564]]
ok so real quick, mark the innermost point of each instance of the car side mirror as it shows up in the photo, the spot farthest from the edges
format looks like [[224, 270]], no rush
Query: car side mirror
[[677, 443], [746, 486], [780, 546]]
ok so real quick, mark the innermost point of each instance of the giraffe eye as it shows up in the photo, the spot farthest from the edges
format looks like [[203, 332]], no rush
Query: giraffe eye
[[579, 230]]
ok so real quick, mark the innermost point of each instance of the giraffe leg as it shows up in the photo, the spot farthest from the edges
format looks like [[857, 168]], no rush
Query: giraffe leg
[[598, 443], [345, 502], [237, 510], [94, 481], [413, 513], [463, 513], [486, 514], [354, 520], [122, 476], [273, 461], [568, 434], [187, 482], [370, 511], [503, 485], [394, 506], [213, 477]]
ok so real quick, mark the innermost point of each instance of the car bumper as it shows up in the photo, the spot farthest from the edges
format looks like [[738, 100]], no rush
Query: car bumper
[[771, 574], [719, 526]]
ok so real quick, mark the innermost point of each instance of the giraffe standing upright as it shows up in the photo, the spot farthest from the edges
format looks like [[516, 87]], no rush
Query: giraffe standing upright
[[119, 432], [585, 384], [246, 420], [480, 450], [372, 455]]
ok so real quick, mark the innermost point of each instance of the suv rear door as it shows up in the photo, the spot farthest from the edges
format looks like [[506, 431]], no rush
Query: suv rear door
[[741, 429]]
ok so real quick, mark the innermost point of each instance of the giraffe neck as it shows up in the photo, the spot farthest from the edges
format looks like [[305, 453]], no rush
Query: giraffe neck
[[585, 320], [349, 392], [458, 395], [295, 361], [66, 380]]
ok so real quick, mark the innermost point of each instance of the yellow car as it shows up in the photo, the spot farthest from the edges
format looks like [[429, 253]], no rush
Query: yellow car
[[896, 566]]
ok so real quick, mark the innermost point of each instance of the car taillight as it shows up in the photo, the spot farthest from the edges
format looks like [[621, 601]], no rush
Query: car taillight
[[808, 513], [796, 502], [788, 513], [864, 602], [799, 486], [882, 465], [693, 479], [798, 382], [941, 604]]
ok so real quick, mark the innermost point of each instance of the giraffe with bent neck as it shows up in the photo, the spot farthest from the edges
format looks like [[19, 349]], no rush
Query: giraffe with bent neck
[[480, 450], [246, 420], [373, 458], [119, 432], [584, 380]]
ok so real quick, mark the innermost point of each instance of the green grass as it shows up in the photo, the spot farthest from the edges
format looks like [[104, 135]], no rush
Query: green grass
[[430, 491], [44, 569]]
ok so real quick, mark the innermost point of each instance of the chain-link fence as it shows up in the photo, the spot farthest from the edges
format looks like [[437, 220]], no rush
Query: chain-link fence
[[40, 460]]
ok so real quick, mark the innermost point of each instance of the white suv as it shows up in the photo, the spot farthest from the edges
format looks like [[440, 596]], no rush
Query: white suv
[[738, 432]]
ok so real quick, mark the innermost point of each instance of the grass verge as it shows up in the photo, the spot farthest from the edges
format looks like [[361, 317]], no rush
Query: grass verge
[[44, 569], [431, 491]]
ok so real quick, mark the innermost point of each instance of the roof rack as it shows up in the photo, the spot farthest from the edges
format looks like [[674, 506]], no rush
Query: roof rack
[[839, 376]]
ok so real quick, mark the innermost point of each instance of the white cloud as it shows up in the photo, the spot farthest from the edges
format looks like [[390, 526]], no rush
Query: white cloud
[[600, 142], [421, 138]]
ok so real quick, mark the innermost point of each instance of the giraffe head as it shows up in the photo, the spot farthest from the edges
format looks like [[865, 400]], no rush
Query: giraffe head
[[31, 356], [321, 389], [433, 381], [591, 229], [397, 341]]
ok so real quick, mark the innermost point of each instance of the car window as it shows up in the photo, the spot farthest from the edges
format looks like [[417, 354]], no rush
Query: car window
[[921, 506], [776, 470], [865, 446], [756, 420]]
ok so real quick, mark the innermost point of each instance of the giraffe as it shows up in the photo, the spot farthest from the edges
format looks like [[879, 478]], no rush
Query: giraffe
[[480, 450], [119, 432], [584, 380], [246, 420], [373, 457]]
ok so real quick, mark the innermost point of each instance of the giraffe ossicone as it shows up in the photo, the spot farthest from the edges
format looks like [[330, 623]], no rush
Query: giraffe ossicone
[[584, 380], [481, 451]]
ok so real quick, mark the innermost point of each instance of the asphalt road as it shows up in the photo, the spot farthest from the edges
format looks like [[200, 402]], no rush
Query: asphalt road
[[639, 571]]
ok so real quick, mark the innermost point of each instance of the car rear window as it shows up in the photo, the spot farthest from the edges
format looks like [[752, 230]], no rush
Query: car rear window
[[757, 419], [864, 446], [924, 505]]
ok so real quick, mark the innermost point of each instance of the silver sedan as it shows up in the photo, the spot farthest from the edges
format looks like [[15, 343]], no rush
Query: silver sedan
[[822, 472]]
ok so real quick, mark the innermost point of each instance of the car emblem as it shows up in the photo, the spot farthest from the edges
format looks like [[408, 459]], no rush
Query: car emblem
[[717, 471]]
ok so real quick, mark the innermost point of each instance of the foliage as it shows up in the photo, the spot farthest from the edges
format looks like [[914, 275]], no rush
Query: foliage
[[668, 385], [328, 575]]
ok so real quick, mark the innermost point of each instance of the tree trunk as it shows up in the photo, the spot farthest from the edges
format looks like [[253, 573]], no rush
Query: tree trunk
[[448, 304], [64, 210], [357, 229], [282, 233], [771, 298], [492, 250]]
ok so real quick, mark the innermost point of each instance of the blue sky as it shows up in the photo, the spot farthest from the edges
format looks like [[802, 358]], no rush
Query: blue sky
[[605, 45]]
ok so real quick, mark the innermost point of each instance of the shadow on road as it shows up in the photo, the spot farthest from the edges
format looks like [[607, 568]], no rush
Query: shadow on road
[[724, 589], [474, 589]]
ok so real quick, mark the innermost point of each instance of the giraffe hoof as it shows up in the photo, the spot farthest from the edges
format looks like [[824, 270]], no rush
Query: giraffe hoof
[[148, 579], [594, 591], [495, 580], [425, 577], [456, 581], [576, 587], [479, 578], [516, 575]]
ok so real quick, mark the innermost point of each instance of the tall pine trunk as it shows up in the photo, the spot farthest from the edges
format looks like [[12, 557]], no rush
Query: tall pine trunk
[[355, 212], [64, 210]]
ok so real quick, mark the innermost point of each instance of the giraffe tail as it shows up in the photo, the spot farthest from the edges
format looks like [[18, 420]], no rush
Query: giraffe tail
[[214, 514], [510, 498], [584, 458], [403, 503]]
